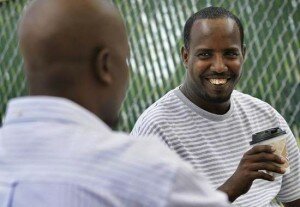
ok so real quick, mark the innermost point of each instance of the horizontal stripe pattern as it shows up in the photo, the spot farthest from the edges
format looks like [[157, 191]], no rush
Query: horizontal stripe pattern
[[214, 144]]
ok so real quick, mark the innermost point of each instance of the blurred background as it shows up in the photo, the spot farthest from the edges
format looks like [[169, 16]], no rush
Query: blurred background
[[271, 69]]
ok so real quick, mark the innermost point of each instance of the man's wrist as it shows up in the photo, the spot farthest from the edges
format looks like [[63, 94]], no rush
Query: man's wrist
[[229, 192]]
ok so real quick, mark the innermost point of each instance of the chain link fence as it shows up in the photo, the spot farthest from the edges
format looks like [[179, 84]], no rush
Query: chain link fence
[[271, 69]]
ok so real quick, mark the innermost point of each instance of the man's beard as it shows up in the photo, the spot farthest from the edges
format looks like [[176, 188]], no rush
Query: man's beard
[[216, 100]]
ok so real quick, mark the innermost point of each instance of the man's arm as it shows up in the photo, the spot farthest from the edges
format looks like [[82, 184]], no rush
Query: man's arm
[[250, 168], [295, 203]]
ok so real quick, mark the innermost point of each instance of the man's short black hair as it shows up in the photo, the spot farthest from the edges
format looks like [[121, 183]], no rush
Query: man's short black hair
[[210, 13]]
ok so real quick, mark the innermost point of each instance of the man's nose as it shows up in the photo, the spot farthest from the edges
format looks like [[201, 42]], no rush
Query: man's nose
[[218, 64]]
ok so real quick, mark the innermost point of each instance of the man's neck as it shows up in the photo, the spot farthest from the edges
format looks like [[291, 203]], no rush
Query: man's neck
[[215, 108]]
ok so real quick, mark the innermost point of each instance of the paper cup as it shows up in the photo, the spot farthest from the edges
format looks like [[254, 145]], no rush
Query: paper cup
[[277, 138]]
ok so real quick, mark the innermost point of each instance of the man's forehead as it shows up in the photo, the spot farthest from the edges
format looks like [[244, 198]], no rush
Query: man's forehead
[[206, 27]]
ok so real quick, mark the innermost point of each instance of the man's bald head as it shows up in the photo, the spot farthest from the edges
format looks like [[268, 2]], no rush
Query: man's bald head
[[75, 49], [54, 30]]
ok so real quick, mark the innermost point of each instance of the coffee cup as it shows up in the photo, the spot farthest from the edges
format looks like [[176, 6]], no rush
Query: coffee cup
[[277, 138]]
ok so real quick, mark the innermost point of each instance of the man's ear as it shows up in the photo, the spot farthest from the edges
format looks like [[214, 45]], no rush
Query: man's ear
[[102, 66], [184, 56], [244, 50]]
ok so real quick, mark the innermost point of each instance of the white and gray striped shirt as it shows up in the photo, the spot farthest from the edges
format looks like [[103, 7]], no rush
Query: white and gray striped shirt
[[55, 153], [214, 144]]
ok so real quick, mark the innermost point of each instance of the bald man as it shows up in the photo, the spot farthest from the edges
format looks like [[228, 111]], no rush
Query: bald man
[[56, 145]]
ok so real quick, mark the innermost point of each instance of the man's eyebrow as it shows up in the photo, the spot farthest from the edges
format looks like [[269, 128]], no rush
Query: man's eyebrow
[[231, 48], [204, 49]]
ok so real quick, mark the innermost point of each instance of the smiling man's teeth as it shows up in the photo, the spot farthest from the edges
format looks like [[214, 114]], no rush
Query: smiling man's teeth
[[218, 81]]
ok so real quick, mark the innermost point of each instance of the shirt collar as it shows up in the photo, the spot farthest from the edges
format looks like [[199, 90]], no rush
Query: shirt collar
[[48, 108], [202, 112]]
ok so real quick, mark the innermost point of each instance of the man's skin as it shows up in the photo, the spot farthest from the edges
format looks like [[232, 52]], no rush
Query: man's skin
[[214, 62], [53, 64]]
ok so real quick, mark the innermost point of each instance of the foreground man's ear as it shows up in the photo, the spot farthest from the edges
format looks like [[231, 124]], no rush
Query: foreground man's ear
[[102, 67], [244, 50]]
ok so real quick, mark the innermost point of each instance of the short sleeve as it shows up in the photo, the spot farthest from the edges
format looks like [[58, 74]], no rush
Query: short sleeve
[[290, 187]]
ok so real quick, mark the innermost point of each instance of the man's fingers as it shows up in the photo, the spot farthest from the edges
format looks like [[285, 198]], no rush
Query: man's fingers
[[266, 157], [267, 166], [262, 175], [259, 149]]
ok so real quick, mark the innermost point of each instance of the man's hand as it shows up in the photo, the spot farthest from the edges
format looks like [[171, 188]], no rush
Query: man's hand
[[255, 160], [295, 203]]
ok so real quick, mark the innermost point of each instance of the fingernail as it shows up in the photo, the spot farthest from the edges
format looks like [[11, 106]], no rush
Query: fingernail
[[282, 170], [282, 159], [273, 148]]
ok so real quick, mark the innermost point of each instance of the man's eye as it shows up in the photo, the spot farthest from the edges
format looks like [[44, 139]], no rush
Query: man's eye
[[231, 54], [203, 55]]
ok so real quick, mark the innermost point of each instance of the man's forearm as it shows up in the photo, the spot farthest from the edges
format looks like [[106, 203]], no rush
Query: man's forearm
[[295, 203]]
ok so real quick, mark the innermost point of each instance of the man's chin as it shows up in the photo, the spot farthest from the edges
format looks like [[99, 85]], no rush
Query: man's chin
[[218, 99]]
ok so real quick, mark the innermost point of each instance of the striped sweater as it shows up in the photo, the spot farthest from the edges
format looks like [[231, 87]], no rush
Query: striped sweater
[[214, 144]]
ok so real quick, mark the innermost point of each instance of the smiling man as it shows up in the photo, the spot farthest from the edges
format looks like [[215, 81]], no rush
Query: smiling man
[[210, 124], [213, 58]]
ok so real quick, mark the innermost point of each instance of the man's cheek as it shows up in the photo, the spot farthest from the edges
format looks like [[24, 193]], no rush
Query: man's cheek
[[236, 65]]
